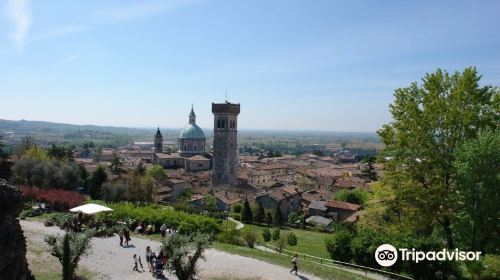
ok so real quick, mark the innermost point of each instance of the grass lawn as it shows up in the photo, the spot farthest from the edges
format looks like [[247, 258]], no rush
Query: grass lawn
[[311, 268], [308, 242]]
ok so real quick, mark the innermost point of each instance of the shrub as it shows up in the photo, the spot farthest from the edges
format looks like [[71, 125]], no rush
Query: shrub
[[280, 244], [276, 234], [339, 245], [59, 200], [158, 215], [291, 239], [250, 236], [237, 208], [266, 235], [229, 234]]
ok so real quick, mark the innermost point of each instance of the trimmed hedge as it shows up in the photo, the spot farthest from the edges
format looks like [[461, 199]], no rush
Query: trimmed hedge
[[157, 215]]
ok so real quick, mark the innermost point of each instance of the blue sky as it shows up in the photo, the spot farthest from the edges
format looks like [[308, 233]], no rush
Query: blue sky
[[315, 65]]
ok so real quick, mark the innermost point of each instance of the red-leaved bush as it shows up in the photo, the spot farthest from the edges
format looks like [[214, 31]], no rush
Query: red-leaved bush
[[59, 200]]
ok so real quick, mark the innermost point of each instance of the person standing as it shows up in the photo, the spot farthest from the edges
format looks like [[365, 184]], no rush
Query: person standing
[[120, 233], [163, 230], [295, 261], [135, 263]]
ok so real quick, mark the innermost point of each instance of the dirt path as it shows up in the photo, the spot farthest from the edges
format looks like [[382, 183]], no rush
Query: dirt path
[[110, 261]]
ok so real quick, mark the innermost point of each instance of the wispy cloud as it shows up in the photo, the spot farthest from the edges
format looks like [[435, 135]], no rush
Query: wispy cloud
[[67, 59], [60, 31], [144, 9], [18, 12]]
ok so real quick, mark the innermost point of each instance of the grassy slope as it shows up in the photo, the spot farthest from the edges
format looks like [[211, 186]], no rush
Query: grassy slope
[[308, 242], [311, 268]]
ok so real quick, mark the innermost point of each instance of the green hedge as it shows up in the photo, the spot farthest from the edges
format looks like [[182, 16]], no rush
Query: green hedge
[[157, 215]]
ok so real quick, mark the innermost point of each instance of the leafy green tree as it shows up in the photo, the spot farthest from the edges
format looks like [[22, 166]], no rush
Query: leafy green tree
[[293, 217], [140, 169], [277, 219], [369, 168], [246, 215], [184, 254], [356, 196], [209, 203], [249, 236], [237, 208], [430, 122], [156, 172], [69, 249], [116, 166], [291, 239], [339, 245], [266, 235], [477, 180], [98, 178]]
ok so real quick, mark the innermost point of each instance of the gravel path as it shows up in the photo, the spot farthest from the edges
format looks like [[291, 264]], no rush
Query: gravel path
[[110, 261]]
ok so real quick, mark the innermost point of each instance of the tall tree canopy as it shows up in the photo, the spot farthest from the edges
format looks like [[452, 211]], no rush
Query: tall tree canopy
[[430, 122]]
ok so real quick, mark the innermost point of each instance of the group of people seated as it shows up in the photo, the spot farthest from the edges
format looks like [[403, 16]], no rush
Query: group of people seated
[[150, 229]]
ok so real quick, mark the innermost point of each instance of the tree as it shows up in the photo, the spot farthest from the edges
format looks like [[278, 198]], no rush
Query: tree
[[183, 253], [276, 234], [269, 218], [430, 122], [246, 215], [156, 172], [339, 245], [291, 239], [4, 163], [369, 168], [249, 236], [140, 169], [293, 217], [26, 143], [237, 208], [260, 213], [116, 166], [266, 235], [69, 249], [98, 177], [356, 196], [477, 180], [209, 203], [277, 219]]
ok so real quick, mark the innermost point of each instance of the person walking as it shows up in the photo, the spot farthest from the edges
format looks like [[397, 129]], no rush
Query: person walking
[[127, 236], [148, 257], [140, 263], [120, 233], [135, 263], [295, 261], [163, 230]]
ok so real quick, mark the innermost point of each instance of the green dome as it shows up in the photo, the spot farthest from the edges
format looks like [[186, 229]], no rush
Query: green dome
[[191, 131]]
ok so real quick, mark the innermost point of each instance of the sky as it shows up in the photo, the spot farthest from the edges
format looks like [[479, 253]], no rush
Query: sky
[[294, 65]]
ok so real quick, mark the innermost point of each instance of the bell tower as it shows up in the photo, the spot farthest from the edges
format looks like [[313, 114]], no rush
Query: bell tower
[[158, 141], [225, 158]]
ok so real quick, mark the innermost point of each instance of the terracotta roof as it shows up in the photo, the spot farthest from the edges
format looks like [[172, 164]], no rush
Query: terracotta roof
[[291, 189], [342, 205], [163, 155], [198, 158]]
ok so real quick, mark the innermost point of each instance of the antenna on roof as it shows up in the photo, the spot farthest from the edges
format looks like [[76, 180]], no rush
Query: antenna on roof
[[226, 94]]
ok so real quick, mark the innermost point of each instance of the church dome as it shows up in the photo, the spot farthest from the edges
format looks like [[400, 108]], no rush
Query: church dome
[[191, 131]]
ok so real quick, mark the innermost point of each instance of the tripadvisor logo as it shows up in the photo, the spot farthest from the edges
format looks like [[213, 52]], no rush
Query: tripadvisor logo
[[387, 255]]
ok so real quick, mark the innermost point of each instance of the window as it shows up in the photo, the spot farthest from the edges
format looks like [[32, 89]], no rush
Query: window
[[195, 148]]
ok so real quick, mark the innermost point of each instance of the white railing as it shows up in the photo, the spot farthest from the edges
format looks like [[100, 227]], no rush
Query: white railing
[[329, 262]]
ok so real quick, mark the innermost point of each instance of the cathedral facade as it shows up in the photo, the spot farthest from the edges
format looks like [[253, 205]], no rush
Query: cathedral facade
[[191, 154]]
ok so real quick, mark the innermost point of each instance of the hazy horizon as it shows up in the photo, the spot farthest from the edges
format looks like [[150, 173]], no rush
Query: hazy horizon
[[322, 66]]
